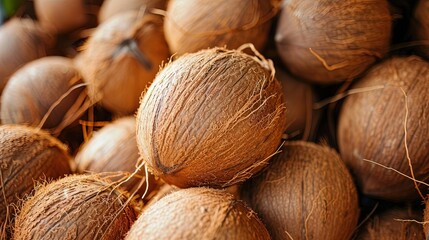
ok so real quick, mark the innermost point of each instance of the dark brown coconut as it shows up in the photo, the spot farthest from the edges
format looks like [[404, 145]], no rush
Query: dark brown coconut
[[27, 155], [305, 193], [111, 8], [192, 25], [371, 126], [211, 118], [347, 35], [39, 86], [394, 224], [420, 26], [21, 41], [114, 149], [198, 213], [122, 58], [75, 207], [63, 16]]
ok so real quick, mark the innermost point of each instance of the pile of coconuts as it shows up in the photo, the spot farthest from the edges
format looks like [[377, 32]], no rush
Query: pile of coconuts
[[197, 119]]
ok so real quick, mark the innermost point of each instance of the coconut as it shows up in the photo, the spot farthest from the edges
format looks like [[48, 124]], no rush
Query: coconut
[[393, 224], [426, 220], [305, 193], [192, 25], [21, 41], [328, 41], [63, 16], [112, 149], [371, 126], [27, 155], [75, 207], [196, 124], [122, 58], [111, 8], [198, 213], [420, 26], [44, 87]]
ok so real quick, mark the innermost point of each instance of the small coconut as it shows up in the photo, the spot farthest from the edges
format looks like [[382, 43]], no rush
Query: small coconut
[[420, 26], [211, 118], [44, 92], [75, 207], [393, 224], [21, 41], [27, 155], [328, 41], [63, 16], [198, 213], [114, 149], [122, 58], [111, 8], [371, 126], [305, 193], [192, 25]]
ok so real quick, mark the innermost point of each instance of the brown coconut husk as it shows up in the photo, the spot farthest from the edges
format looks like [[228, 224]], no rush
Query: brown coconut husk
[[198, 213], [192, 25], [46, 93], [114, 149], [420, 26], [21, 41], [328, 41], [111, 8], [26, 155], [305, 193], [224, 119], [372, 126], [122, 58], [393, 224], [76, 207]]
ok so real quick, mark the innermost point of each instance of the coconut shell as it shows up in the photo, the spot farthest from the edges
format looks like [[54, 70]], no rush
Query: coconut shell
[[198, 213], [305, 193], [196, 124], [111, 8], [75, 207], [371, 126], [115, 75], [27, 155], [393, 224], [347, 35], [192, 25], [114, 149], [21, 41], [420, 26], [36, 87]]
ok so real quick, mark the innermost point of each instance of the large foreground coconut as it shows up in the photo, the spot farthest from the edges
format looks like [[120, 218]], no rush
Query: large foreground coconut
[[327, 41], [371, 126], [111, 8], [214, 118], [305, 193], [21, 41], [393, 224], [192, 25], [122, 58], [27, 155], [198, 213], [75, 207], [43, 92], [114, 149]]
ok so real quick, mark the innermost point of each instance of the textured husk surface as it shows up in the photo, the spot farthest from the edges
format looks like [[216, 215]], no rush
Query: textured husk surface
[[393, 224], [213, 118], [114, 149], [27, 155], [198, 213], [21, 41], [305, 193], [75, 207], [33, 89], [348, 35], [371, 126], [111, 8], [114, 76], [192, 25]]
